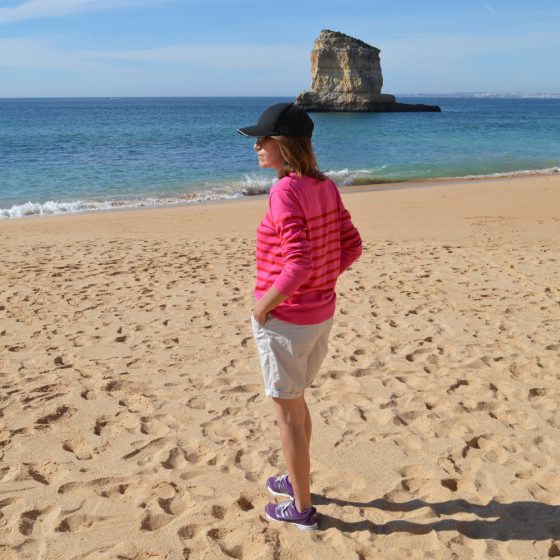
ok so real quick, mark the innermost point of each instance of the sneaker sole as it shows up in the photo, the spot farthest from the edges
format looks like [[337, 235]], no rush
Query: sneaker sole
[[314, 527]]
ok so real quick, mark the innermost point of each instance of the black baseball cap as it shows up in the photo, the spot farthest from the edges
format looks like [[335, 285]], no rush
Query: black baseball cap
[[282, 119]]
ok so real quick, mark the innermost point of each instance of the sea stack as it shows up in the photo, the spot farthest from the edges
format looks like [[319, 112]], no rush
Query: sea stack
[[346, 76]]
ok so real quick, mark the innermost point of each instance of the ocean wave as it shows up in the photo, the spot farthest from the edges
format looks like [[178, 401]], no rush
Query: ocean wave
[[505, 174], [348, 177], [52, 207], [250, 185]]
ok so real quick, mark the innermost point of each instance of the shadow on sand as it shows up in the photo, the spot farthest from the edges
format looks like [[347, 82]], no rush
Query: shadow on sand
[[532, 521]]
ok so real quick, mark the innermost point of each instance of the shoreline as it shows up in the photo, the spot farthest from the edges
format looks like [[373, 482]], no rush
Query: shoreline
[[455, 210], [371, 187]]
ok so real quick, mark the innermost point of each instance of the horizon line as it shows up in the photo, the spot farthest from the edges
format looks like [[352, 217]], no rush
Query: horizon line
[[413, 94]]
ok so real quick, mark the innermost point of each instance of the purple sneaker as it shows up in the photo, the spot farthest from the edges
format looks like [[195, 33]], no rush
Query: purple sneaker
[[280, 486], [287, 512]]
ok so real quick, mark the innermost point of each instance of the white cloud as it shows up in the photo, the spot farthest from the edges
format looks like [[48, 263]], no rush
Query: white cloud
[[23, 52], [33, 9], [490, 9], [201, 69], [241, 56]]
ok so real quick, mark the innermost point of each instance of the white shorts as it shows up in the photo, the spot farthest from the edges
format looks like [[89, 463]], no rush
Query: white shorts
[[290, 355]]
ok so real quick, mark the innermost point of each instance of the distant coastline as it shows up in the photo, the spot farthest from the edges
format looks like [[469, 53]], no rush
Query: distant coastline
[[484, 94], [454, 95]]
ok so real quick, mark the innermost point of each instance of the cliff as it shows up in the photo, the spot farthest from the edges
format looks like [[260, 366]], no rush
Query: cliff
[[346, 76]]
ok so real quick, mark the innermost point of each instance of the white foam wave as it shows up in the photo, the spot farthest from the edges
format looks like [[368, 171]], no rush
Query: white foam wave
[[249, 186], [52, 207], [254, 184], [521, 173], [345, 177]]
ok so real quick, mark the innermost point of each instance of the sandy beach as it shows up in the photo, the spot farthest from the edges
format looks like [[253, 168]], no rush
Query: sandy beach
[[132, 419]]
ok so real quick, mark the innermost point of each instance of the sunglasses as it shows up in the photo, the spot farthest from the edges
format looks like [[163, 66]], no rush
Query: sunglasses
[[259, 142]]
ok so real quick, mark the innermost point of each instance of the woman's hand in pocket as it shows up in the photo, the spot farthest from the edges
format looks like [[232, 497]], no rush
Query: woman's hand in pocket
[[260, 316]]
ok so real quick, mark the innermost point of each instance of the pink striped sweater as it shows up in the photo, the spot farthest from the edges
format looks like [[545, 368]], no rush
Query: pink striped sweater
[[304, 243]]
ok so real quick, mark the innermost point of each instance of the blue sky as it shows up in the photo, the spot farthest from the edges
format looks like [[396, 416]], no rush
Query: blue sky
[[52, 48]]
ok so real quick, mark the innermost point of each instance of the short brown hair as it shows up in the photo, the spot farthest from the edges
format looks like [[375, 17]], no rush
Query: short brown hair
[[299, 157]]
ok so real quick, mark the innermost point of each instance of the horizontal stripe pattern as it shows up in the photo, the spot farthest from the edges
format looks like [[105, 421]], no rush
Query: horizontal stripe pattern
[[304, 242]]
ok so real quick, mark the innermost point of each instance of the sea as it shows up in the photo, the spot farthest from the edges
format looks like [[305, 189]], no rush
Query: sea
[[91, 154]]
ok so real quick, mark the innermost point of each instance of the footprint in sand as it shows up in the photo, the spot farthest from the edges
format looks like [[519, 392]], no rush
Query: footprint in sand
[[61, 413], [158, 425], [79, 447], [29, 471], [179, 457], [474, 443], [155, 521], [105, 487], [28, 519], [245, 504], [110, 426], [537, 392], [78, 522], [149, 452], [455, 386], [44, 393], [188, 532], [219, 537], [220, 431]]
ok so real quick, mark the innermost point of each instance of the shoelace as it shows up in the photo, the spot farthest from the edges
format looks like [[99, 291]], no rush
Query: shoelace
[[281, 479], [283, 507]]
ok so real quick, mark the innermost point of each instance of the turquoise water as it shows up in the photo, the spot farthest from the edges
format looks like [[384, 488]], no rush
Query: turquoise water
[[67, 155]]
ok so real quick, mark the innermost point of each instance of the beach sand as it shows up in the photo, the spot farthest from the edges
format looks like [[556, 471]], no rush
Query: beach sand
[[133, 423]]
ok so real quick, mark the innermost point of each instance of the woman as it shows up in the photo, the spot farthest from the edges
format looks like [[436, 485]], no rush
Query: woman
[[305, 241]]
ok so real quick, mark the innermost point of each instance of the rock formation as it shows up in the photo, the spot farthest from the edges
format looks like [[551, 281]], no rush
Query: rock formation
[[346, 76]]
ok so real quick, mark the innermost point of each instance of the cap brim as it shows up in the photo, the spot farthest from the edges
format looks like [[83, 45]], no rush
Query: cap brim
[[251, 131]]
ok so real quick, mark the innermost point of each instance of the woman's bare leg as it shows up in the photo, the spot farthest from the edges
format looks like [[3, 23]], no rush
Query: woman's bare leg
[[294, 422], [308, 424]]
